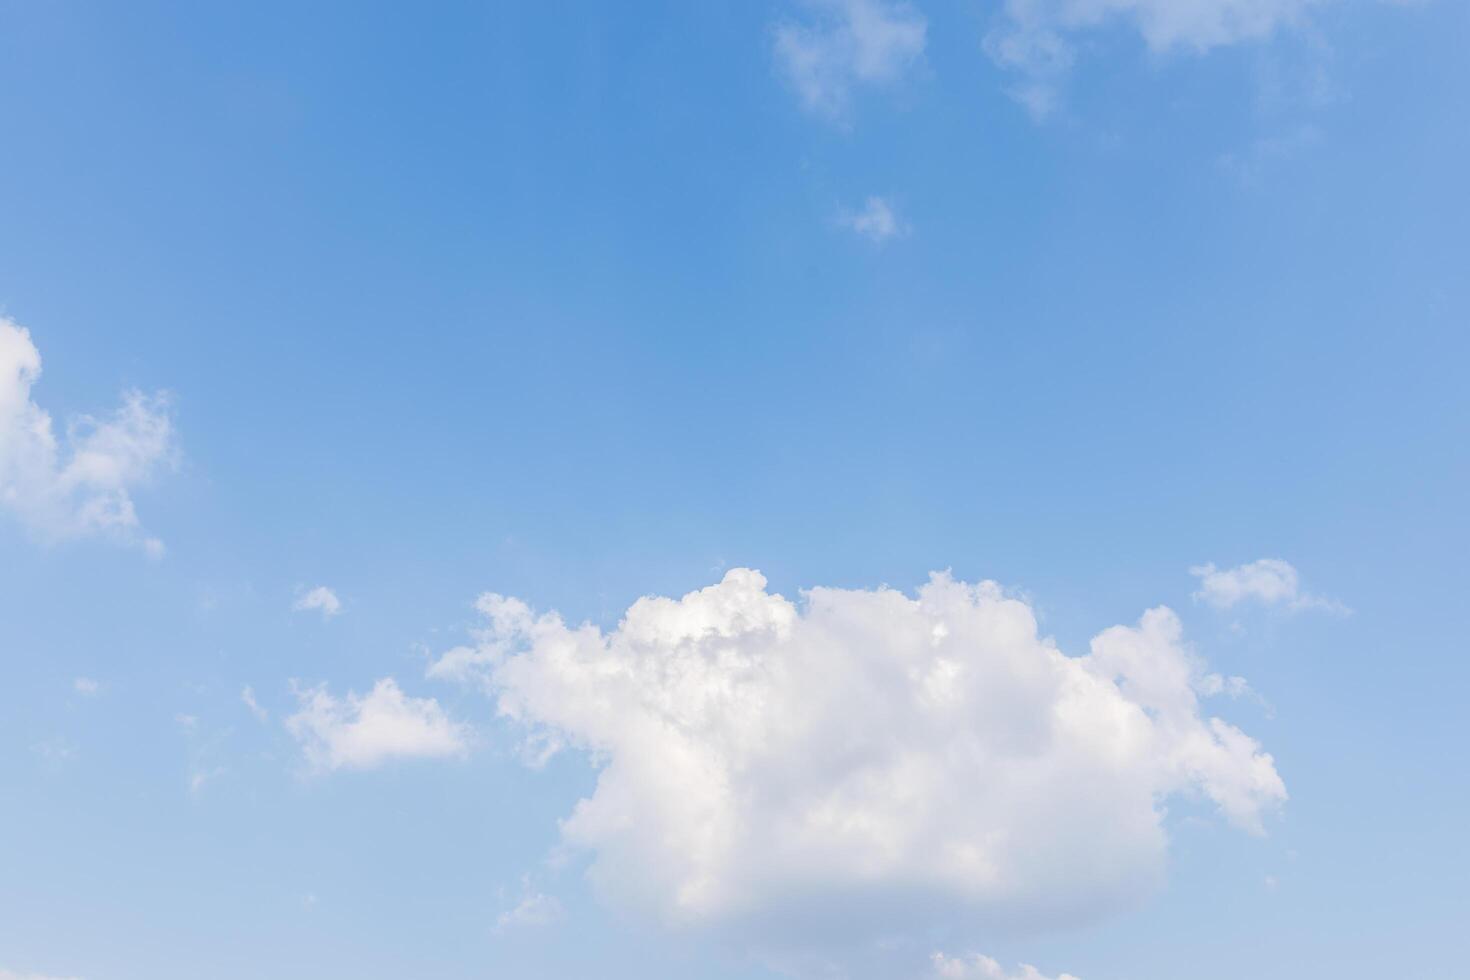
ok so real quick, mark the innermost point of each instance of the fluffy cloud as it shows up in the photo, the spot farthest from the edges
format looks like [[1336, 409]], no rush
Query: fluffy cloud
[[866, 760], [1269, 581], [320, 599], [977, 967], [360, 732], [877, 221], [80, 485], [1036, 37], [846, 43]]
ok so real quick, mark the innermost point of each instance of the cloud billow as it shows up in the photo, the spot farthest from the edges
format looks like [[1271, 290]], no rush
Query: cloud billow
[[80, 485], [867, 759]]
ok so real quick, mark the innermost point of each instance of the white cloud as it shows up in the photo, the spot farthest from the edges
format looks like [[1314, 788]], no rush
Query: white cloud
[[14, 975], [867, 758], [877, 221], [977, 967], [533, 909], [1213, 684], [86, 687], [248, 697], [80, 485], [1037, 38], [846, 43], [320, 599], [1269, 581], [360, 732]]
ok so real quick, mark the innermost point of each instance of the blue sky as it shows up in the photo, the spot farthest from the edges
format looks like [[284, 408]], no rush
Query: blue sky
[[319, 326]]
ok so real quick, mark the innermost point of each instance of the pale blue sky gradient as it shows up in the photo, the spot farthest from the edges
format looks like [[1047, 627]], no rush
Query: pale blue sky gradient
[[558, 301]]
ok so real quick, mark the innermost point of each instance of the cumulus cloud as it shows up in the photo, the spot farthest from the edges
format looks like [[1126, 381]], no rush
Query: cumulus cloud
[[977, 967], [1037, 38], [844, 44], [320, 599], [877, 221], [361, 732], [86, 687], [1269, 581], [80, 484], [866, 760]]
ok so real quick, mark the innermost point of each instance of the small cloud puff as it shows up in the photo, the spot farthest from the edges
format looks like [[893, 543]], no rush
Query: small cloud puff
[[86, 687], [1268, 581], [320, 599], [877, 221], [362, 732]]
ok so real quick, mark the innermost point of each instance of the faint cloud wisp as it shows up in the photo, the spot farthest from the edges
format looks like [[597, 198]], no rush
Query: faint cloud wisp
[[844, 44]]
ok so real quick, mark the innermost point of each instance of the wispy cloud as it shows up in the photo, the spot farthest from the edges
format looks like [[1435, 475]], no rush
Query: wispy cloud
[[54, 752], [82, 484], [247, 696], [1038, 39], [532, 909], [1267, 581], [203, 749], [198, 777], [20, 975], [844, 44], [1250, 166]]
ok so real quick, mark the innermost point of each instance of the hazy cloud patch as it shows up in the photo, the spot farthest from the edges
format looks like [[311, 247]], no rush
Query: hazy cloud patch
[[841, 45]]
